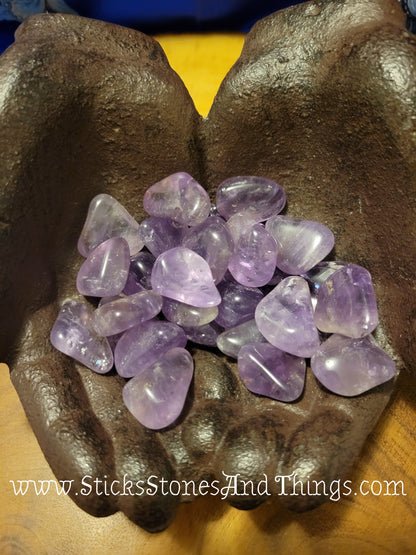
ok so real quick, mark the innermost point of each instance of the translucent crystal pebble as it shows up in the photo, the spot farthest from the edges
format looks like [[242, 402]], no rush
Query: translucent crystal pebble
[[140, 272], [238, 303], [301, 244], [285, 318], [239, 224], [230, 341], [104, 272], [161, 234], [107, 218], [157, 395], [183, 275], [141, 346], [321, 272], [254, 258], [212, 240], [187, 315], [350, 366], [74, 335], [122, 314], [268, 371], [204, 335], [257, 196], [180, 197], [346, 303]]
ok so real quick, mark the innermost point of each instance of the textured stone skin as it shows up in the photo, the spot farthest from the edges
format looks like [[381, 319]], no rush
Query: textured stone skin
[[331, 123]]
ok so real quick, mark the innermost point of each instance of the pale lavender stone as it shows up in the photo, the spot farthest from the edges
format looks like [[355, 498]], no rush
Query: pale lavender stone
[[157, 395], [350, 366], [204, 335], [104, 272], [124, 313], [140, 272], [254, 258], [285, 318], [186, 315], [239, 224], [107, 218], [321, 272], [180, 197], [184, 276], [301, 244], [230, 341], [141, 346], [212, 240], [268, 371], [346, 303], [257, 196], [161, 234], [238, 303], [74, 335]]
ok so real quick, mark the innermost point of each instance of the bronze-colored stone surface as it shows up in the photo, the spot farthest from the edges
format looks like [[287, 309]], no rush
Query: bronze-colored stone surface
[[322, 99]]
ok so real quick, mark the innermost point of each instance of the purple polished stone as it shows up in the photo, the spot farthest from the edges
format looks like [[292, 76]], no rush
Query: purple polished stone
[[301, 244], [285, 318], [184, 276], [161, 234], [238, 303], [230, 341], [74, 335], [204, 335], [104, 272], [346, 303], [268, 371], [186, 315], [212, 240], [254, 258], [140, 272], [157, 395], [141, 346], [257, 196], [122, 314], [239, 224], [350, 366], [107, 218], [180, 197]]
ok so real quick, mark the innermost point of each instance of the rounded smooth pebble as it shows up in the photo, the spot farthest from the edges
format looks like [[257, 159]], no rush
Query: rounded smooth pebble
[[157, 395]]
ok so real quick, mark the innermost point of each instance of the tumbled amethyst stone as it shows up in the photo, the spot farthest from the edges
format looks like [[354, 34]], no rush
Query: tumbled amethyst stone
[[204, 335], [350, 366], [74, 335], [254, 258], [104, 272], [183, 275], [107, 218], [180, 197], [346, 303], [140, 272], [301, 244], [186, 315], [285, 318], [259, 197], [161, 234], [231, 340], [212, 240], [238, 303], [141, 346], [268, 371], [122, 314], [157, 395]]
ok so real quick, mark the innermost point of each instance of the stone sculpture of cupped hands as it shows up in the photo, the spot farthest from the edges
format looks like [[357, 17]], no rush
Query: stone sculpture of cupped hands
[[322, 101]]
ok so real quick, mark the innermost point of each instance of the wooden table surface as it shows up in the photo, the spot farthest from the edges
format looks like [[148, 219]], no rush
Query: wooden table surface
[[374, 523]]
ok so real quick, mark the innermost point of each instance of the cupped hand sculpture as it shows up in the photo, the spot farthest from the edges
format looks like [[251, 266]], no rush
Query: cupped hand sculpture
[[322, 100]]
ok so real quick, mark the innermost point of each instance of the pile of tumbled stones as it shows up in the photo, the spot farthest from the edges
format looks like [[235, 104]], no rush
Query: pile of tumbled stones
[[217, 275]]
